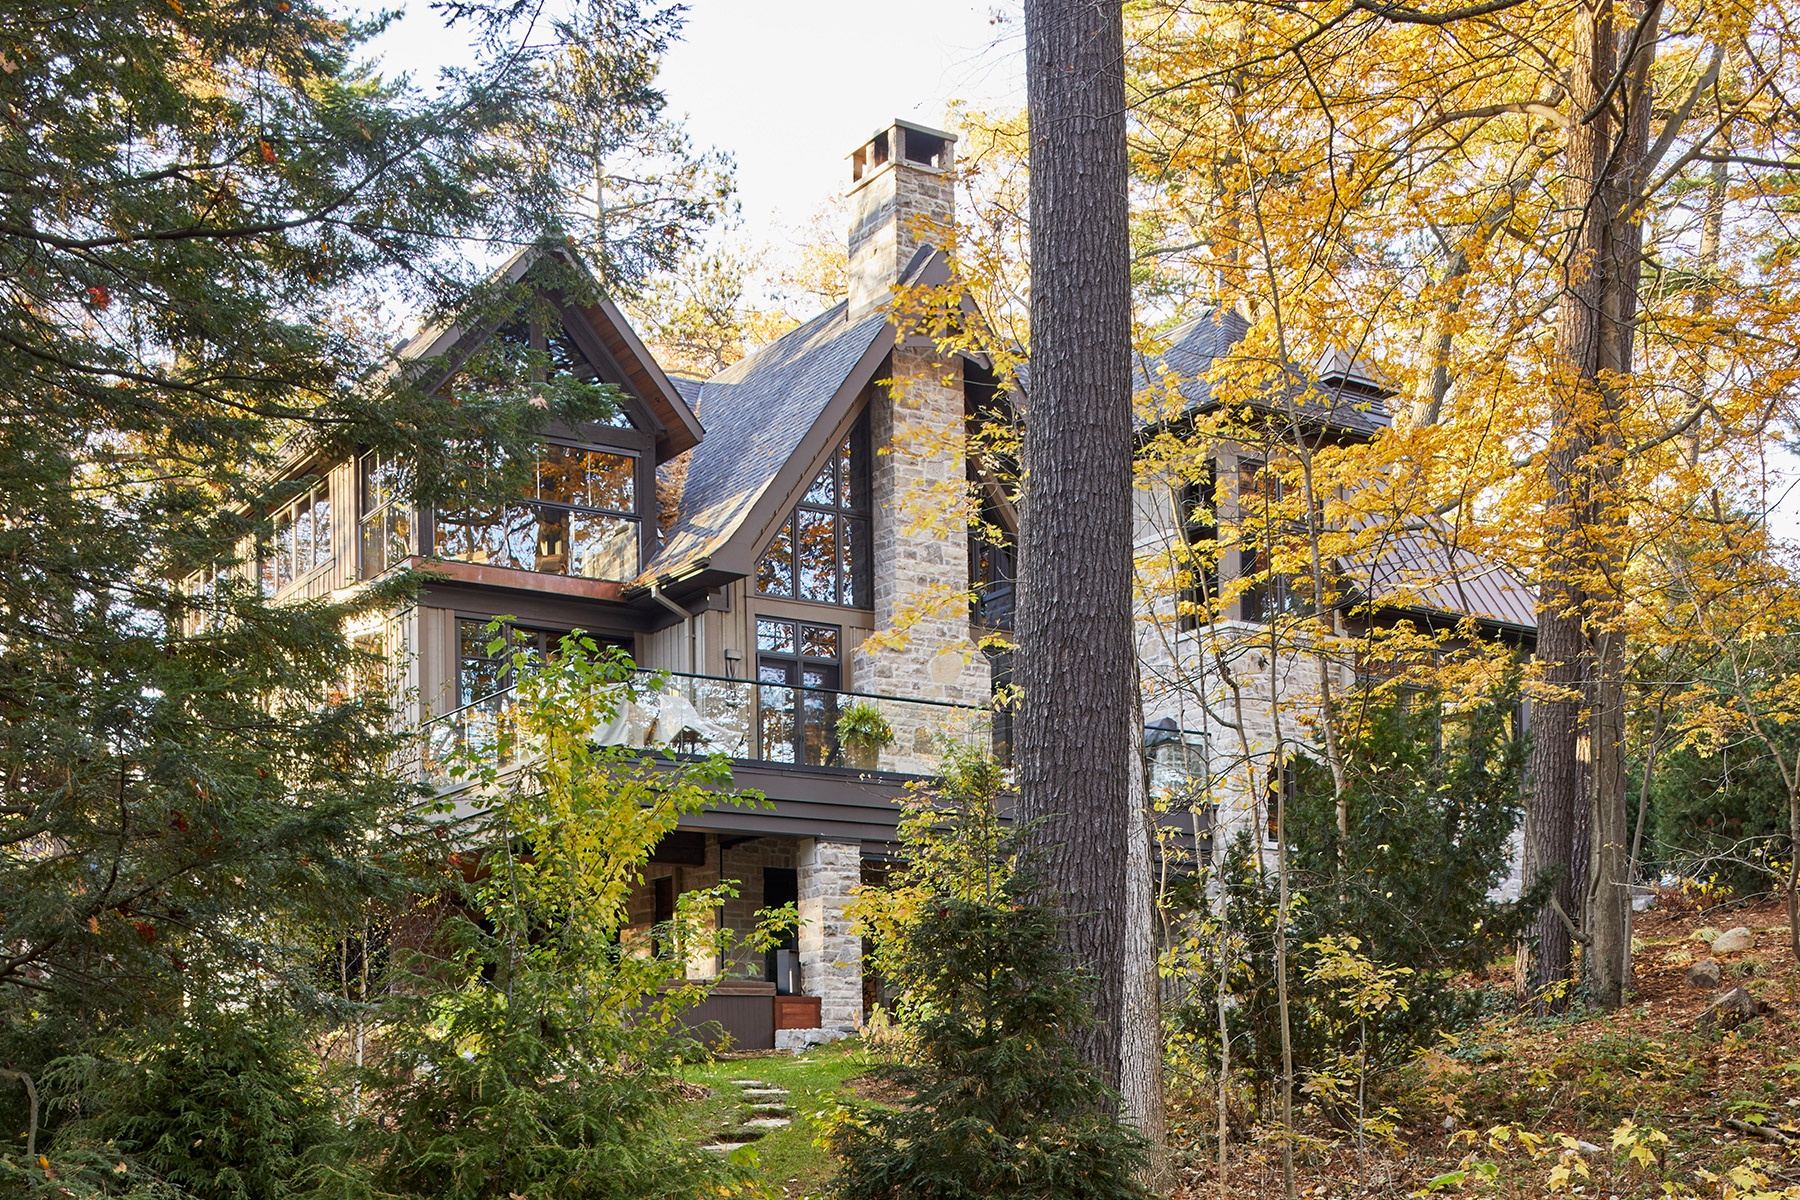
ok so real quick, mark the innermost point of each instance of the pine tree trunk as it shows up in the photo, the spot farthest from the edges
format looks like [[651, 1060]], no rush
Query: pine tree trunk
[[1579, 639], [1076, 656], [1140, 1029]]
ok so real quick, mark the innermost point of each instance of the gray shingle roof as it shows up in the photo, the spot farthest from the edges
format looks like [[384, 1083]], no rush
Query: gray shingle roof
[[756, 412], [1192, 348]]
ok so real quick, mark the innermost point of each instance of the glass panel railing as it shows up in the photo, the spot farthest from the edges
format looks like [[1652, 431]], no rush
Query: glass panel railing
[[741, 719]]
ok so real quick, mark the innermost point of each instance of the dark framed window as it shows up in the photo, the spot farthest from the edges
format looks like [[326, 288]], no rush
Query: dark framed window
[[301, 542], [1198, 581], [564, 357], [821, 552], [385, 521], [484, 677], [1272, 595], [798, 671], [580, 519], [1279, 793], [993, 570]]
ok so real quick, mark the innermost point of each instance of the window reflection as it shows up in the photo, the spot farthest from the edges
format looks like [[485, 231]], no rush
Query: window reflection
[[580, 520], [798, 675], [821, 552]]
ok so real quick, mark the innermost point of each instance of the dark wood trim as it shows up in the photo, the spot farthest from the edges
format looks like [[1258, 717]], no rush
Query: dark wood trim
[[534, 608]]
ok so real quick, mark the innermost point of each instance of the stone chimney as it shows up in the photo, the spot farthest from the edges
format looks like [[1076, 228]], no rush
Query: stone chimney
[[901, 199], [900, 193]]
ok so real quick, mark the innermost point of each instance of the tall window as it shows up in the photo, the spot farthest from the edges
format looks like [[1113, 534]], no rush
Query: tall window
[[821, 552], [1198, 597], [302, 541], [1271, 596], [385, 520], [484, 678], [531, 350], [580, 519], [565, 358], [993, 568], [797, 670]]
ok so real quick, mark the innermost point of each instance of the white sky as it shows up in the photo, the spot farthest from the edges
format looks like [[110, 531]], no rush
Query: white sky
[[791, 87]]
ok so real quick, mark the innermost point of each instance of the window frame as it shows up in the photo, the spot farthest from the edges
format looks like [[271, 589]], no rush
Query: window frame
[[852, 517], [394, 505], [1197, 516], [287, 516], [636, 472], [1263, 601], [799, 661]]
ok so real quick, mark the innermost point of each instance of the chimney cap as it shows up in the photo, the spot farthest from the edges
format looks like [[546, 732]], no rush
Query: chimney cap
[[903, 141]]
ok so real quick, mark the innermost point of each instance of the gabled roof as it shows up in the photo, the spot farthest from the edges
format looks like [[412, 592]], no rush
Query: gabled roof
[[768, 418], [1353, 405], [615, 345], [758, 413]]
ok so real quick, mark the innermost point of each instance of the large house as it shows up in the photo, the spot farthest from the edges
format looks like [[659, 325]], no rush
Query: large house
[[747, 534]]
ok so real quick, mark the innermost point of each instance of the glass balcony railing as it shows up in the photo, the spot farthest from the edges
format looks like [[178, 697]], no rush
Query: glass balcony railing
[[741, 719]]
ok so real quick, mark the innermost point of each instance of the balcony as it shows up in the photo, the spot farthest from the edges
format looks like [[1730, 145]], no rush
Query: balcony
[[745, 720]]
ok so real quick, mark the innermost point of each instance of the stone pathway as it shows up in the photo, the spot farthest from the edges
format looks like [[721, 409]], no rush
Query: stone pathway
[[764, 1108]]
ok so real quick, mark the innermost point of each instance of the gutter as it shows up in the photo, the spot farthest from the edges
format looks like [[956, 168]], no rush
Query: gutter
[[687, 618]]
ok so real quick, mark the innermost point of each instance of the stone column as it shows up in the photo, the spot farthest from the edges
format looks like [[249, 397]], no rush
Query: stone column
[[921, 545], [830, 952]]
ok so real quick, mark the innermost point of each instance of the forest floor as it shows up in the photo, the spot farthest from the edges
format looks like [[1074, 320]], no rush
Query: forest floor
[[1649, 1100]]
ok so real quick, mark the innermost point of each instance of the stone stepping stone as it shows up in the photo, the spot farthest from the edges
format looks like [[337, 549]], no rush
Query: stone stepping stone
[[768, 1123], [750, 1083], [765, 1091]]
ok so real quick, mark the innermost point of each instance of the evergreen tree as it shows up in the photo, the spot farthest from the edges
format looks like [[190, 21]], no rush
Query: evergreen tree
[[636, 195], [1433, 800], [205, 210], [999, 1101], [531, 1042]]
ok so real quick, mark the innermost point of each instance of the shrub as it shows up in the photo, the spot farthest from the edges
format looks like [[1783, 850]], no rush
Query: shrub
[[1432, 804], [999, 1104]]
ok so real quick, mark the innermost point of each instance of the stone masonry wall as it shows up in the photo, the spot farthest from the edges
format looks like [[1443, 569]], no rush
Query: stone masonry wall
[[893, 211], [921, 555], [744, 863], [920, 546], [830, 951]]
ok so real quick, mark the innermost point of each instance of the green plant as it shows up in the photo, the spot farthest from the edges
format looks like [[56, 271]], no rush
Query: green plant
[[998, 1101], [1430, 806], [862, 725], [538, 1051], [863, 733]]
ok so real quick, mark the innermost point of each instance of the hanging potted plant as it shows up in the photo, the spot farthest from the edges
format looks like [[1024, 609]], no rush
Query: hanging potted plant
[[862, 734]]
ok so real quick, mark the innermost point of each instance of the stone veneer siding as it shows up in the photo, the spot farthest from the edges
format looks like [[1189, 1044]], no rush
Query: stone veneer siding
[[830, 950], [921, 552]]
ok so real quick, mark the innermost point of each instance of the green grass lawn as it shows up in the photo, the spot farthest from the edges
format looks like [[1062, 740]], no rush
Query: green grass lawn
[[788, 1160]]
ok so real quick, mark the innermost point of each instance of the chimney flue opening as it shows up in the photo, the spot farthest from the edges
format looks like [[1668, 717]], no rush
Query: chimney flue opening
[[926, 149]]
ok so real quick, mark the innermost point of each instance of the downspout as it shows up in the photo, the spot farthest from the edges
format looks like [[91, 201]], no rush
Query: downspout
[[687, 618]]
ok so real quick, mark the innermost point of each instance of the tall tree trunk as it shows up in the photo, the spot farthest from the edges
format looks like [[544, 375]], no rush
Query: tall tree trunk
[[1578, 725], [1077, 655], [1140, 1027]]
